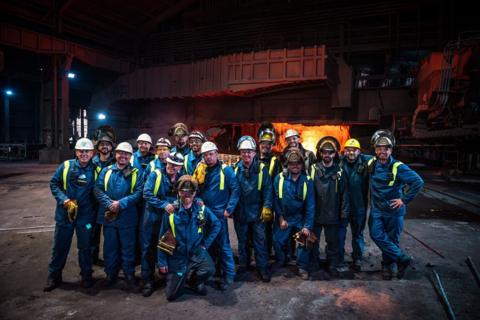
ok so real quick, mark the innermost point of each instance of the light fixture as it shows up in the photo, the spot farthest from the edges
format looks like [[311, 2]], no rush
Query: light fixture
[[101, 116], [71, 75], [9, 92]]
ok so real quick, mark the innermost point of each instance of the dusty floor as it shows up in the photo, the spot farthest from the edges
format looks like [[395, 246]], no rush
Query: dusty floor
[[26, 224]]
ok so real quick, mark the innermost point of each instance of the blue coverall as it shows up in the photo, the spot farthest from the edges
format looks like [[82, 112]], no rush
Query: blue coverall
[[218, 198], [156, 163], [119, 234], [357, 180], [154, 210], [386, 224], [141, 162], [255, 194], [191, 162], [297, 206], [195, 229], [78, 185], [184, 151]]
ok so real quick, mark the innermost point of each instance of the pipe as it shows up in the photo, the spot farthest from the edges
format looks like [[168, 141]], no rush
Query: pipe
[[443, 296], [474, 270]]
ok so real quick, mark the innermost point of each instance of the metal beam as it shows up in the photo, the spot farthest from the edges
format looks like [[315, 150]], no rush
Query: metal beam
[[45, 44]]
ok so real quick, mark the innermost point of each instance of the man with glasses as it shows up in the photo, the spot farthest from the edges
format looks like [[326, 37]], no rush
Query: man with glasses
[[193, 158]]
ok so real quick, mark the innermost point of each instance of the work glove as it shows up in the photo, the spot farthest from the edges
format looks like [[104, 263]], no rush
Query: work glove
[[110, 215], [266, 215], [200, 173], [304, 241], [167, 243], [72, 208]]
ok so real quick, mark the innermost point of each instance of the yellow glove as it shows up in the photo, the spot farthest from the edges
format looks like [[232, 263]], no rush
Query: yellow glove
[[266, 215], [200, 173], [72, 209]]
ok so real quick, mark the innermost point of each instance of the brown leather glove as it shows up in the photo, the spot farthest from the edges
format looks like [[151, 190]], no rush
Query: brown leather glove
[[72, 209], [200, 172], [167, 243], [305, 241], [110, 215], [266, 215]]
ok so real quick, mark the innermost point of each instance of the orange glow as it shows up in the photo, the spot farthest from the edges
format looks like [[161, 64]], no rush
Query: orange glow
[[309, 135]]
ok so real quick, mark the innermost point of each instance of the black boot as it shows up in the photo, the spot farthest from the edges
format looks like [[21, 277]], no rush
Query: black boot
[[131, 283], [264, 275], [52, 284], [147, 289], [87, 282]]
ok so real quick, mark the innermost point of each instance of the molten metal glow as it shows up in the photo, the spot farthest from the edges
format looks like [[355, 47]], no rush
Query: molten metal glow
[[310, 135]]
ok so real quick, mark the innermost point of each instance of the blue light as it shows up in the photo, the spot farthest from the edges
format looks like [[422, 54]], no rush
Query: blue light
[[9, 92], [101, 116], [71, 75]]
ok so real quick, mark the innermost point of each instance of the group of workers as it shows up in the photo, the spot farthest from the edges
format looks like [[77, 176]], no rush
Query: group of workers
[[171, 208]]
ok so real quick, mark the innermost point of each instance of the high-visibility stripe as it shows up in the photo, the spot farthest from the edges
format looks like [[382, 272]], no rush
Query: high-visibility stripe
[[185, 164], [305, 189], [260, 177], [97, 172], [394, 172], [131, 159], [312, 172], [222, 177], [202, 216], [66, 166], [370, 161], [134, 180], [109, 173], [280, 187], [152, 166], [107, 177], [272, 164], [158, 181], [172, 223], [236, 170]]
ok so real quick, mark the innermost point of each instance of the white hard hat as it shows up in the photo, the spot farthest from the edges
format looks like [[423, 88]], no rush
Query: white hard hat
[[84, 144], [208, 146], [163, 142], [291, 133], [247, 145], [124, 146], [144, 137], [175, 158]]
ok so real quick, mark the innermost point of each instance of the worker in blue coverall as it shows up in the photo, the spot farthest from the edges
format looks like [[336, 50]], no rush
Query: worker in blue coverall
[[160, 197], [179, 131], [354, 166], [118, 190], [266, 140], [195, 140], [72, 186], [254, 208], [332, 202], [220, 192], [102, 159], [194, 228], [294, 205], [162, 151], [388, 177]]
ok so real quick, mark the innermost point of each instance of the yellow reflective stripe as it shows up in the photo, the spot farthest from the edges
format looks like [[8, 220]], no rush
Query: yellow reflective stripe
[[272, 164], [236, 170], [131, 159], [202, 209], [260, 177], [134, 180], [172, 223], [304, 190], [107, 177], [280, 186], [152, 166], [394, 172], [66, 166], [222, 177], [157, 182], [97, 172], [185, 161], [312, 172], [370, 161]]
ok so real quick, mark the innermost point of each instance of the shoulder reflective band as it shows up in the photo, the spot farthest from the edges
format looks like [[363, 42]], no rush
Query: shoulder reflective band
[[236, 170], [66, 166], [312, 171], [172, 223], [134, 180], [260, 177], [202, 216], [371, 161], [280, 186], [305, 188], [158, 181], [152, 166], [131, 159], [222, 177], [96, 172], [185, 164], [394, 172], [107, 177], [272, 164]]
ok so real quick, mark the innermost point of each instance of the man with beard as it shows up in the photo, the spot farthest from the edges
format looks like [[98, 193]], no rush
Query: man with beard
[[162, 151], [354, 166], [72, 186], [195, 140], [254, 208], [388, 179], [292, 137], [220, 191], [160, 197], [179, 131], [118, 190], [332, 203], [191, 228], [102, 159], [142, 157], [294, 205]]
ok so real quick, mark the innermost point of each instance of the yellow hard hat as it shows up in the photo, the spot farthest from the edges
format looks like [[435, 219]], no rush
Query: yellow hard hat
[[352, 143]]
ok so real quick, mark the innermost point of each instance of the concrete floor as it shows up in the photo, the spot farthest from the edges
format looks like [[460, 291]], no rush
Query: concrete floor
[[26, 224]]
